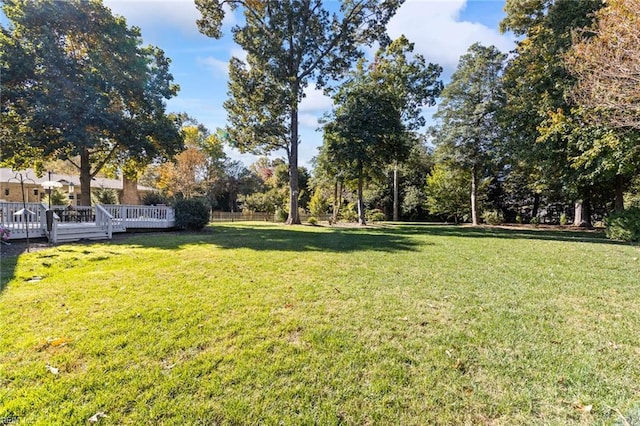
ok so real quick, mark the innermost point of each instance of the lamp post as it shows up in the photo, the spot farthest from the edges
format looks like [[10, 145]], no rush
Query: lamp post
[[49, 185]]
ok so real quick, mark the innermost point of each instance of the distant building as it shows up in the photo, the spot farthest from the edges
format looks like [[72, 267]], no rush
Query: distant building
[[10, 190]]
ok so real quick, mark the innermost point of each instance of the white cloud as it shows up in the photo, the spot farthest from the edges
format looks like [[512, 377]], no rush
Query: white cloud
[[434, 27], [315, 100], [181, 14], [220, 68]]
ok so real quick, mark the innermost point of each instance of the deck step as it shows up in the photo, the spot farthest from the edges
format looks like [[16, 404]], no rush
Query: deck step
[[80, 232]]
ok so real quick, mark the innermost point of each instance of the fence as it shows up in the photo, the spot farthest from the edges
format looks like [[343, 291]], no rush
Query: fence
[[252, 217]]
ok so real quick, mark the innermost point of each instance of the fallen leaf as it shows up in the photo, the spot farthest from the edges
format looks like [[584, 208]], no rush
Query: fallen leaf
[[53, 370], [97, 416], [584, 408], [60, 341]]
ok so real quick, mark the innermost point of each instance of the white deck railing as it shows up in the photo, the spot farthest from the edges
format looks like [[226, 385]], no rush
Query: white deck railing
[[104, 220], [110, 217], [33, 223], [141, 216]]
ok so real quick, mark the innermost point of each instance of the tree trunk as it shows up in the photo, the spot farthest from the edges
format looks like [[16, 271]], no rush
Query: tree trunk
[[577, 213], [536, 205], [85, 179], [336, 205], [474, 196], [129, 194], [396, 207], [619, 204], [361, 217], [294, 217]]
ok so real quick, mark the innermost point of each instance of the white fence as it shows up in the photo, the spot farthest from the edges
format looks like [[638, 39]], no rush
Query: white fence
[[21, 223], [141, 216]]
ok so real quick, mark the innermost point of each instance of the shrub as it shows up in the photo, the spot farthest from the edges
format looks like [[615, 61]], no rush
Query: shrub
[[192, 214], [624, 225], [518, 218], [104, 196], [312, 221], [535, 221], [375, 215], [493, 217], [563, 219], [153, 199], [348, 213], [281, 215]]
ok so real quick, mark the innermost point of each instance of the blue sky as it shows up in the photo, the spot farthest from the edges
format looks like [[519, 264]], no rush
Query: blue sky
[[442, 30]]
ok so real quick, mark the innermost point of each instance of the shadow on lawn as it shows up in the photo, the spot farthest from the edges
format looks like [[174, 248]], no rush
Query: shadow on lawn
[[281, 238], [515, 233]]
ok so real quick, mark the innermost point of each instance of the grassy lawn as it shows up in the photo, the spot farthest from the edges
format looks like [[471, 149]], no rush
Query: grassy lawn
[[266, 324]]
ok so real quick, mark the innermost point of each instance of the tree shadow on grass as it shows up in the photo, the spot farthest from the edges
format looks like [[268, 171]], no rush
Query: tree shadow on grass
[[280, 238], [508, 232]]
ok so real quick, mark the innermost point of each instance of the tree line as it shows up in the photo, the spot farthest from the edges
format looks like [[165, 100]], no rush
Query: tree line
[[548, 130]]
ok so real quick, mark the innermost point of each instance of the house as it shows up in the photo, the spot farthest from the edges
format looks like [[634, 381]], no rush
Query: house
[[11, 190]]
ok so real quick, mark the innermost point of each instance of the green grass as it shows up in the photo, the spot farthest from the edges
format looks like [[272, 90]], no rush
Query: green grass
[[266, 324]]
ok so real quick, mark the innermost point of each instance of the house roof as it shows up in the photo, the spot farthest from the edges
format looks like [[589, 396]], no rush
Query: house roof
[[7, 175]]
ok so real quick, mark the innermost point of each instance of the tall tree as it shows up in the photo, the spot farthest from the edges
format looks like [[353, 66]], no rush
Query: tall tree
[[289, 44], [537, 84], [77, 83], [366, 131], [605, 58], [376, 110], [467, 116]]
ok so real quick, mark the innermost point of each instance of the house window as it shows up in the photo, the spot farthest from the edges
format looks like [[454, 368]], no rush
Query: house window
[[6, 191], [35, 191], [71, 196]]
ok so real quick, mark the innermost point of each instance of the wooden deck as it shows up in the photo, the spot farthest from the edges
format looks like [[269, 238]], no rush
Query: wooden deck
[[73, 224]]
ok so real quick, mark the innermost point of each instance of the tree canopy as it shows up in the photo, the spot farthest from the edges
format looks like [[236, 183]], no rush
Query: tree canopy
[[375, 109], [467, 116], [77, 83], [289, 45]]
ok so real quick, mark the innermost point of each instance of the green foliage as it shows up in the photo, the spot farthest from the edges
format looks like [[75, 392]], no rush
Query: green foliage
[[192, 214], [493, 217], [319, 204], [83, 85], [264, 202], [375, 215], [154, 198], [349, 213], [518, 218], [289, 45], [447, 192], [624, 225], [535, 221], [467, 125], [57, 198], [563, 219], [312, 220], [104, 196], [281, 215]]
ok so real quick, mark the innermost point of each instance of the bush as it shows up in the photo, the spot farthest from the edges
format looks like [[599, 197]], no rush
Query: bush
[[518, 218], [348, 213], [281, 215], [535, 221], [154, 199], [493, 217], [375, 215], [563, 219], [312, 221], [624, 225], [192, 214]]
